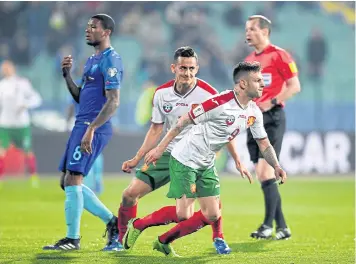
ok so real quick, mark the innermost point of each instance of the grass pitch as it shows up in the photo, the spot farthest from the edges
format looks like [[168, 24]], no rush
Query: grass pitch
[[319, 211]]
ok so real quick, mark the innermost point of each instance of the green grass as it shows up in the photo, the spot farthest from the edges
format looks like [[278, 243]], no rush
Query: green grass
[[320, 212]]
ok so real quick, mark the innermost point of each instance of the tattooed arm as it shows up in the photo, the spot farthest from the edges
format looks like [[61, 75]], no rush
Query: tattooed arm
[[268, 152], [156, 153], [109, 108], [270, 156]]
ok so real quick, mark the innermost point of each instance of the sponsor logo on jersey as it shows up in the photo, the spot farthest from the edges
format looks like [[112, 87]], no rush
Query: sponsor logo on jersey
[[267, 79], [242, 116], [230, 120], [251, 120], [167, 107], [181, 104]]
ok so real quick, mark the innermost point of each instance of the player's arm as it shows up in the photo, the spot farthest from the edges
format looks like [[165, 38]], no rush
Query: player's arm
[[151, 140], [231, 147], [181, 124], [268, 152], [72, 87], [32, 97], [289, 71], [109, 108]]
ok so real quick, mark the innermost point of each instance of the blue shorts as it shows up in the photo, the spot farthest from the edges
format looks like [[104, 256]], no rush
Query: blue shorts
[[73, 159]]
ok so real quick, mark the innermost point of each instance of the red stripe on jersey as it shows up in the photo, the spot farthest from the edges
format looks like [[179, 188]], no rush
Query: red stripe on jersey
[[207, 87], [163, 86], [218, 100]]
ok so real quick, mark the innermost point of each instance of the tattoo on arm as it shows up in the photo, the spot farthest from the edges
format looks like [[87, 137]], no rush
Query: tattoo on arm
[[270, 156], [73, 88], [108, 109], [181, 124]]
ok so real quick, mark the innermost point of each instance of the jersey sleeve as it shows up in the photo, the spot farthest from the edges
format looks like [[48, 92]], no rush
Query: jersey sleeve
[[286, 65], [208, 110], [157, 116], [112, 70], [257, 129]]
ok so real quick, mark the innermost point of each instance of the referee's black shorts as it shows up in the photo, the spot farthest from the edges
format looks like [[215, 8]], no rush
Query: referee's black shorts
[[274, 121]]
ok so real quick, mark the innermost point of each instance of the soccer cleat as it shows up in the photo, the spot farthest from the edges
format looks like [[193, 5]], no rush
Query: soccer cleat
[[166, 249], [221, 246], [64, 244], [263, 232], [282, 233], [112, 232], [131, 234]]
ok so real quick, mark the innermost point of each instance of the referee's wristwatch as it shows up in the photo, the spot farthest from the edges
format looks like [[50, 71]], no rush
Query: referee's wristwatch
[[274, 101]]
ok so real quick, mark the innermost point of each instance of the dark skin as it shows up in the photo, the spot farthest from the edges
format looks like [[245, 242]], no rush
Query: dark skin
[[99, 38]]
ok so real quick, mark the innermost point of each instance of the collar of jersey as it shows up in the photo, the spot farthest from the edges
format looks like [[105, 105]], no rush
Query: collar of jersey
[[105, 51], [238, 103], [263, 51], [188, 93]]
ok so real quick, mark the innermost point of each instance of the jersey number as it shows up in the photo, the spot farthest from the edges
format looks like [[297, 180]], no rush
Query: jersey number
[[234, 134], [77, 154]]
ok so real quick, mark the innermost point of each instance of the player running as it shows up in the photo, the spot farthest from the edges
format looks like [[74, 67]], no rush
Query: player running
[[170, 101], [217, 122], [280, 75], [98, 100]]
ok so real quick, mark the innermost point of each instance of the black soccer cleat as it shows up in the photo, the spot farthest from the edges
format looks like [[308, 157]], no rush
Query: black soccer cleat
[[112, 233], [64, 244], [282, 233], [263, 232]]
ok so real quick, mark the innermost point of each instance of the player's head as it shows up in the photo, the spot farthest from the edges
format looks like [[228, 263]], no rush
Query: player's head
[[8, 68], [185, 65], [248, 79], [257, 29], [100, 27]]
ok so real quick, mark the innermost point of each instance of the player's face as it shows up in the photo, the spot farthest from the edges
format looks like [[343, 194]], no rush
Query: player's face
[[185, 70], [7, 69], [94, 33], [254, 85], [253, 33]]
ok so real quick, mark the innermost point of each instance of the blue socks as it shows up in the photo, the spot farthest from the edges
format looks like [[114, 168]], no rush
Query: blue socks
[[93, 205], [74, 204]]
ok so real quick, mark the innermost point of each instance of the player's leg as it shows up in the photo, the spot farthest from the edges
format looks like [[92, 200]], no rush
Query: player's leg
[[148, 179], [98, 174], [182, 178], [209, 185], [23, 140], [4, 145]]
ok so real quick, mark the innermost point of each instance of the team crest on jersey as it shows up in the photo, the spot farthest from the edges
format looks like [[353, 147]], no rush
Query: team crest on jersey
[[194, 106], [230, 120], [112, 72], [250, 120], [267, 79], [167, 107], [193, 188]]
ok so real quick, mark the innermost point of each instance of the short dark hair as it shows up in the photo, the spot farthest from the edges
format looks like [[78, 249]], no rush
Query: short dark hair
[[245, 67], [106, 21], [186, 52], [263, 21]]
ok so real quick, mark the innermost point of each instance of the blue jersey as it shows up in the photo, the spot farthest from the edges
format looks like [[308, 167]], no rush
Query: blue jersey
[[102, 72]]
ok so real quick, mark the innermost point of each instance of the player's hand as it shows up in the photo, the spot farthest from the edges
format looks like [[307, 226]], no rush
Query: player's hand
[[67, 63], [280, 174], [85, 145], [128, 165], [153, 156], [244, 172], [265, 106]]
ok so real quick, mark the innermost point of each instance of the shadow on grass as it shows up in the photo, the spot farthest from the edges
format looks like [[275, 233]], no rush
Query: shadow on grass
[[52, 256]]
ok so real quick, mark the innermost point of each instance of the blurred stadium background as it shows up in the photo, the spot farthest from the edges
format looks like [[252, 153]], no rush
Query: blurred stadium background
[[320, 35]]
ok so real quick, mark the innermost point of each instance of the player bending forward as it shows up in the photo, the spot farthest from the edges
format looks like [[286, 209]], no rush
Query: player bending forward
[[217, 121]]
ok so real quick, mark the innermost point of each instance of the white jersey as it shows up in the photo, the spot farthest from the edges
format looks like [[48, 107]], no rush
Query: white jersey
[[168, 105], [218, 121], [15, 94]]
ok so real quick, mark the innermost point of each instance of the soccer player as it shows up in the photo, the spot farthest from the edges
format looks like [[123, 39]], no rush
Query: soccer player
[[17, 97], [280, 75], [217, 122], [171, 100], [94, 179], [98, 100]]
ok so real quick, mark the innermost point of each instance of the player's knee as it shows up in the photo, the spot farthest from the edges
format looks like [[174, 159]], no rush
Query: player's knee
[[264, 176], [183, 215], [212, 215], [130, 196], [73, 178]]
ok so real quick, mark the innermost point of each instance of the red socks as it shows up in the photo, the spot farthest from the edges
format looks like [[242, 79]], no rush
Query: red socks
[[31, 164], [124, 215], [163, 216], [193, 224]]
